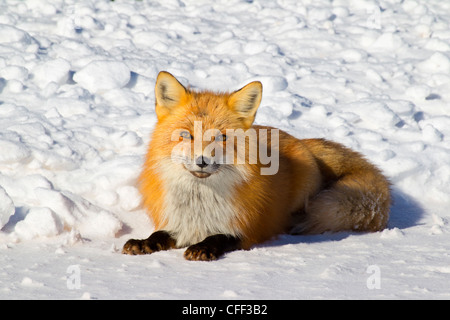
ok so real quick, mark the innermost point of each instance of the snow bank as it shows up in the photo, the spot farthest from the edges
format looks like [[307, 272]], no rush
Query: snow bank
[[14, 37], [13, 152], [100, 76], [7, 208], [56, 71], [39, 222]]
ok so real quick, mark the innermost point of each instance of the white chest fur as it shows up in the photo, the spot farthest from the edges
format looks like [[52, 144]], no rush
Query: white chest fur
[[197, 208]]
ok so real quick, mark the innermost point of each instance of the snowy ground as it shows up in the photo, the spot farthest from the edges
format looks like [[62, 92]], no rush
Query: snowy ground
[[76, 110]]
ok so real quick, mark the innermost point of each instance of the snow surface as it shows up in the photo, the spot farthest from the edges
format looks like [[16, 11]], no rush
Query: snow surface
[[77, 108]]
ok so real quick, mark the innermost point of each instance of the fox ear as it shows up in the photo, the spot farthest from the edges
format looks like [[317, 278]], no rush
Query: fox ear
[[246, 101], [169, 93]]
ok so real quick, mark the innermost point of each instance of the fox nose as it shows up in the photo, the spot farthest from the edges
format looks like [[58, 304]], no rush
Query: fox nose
[[202, 162]]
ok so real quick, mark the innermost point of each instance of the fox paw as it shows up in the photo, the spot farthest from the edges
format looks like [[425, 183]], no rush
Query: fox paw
[[200, 252], [134, 247], [160, 240]]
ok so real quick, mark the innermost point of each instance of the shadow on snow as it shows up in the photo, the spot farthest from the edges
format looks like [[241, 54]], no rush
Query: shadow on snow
[[405, 213]]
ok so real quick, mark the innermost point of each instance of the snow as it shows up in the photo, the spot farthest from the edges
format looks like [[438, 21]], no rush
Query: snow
[[7, 208], [39, 222], [77, 108], [100, 76]]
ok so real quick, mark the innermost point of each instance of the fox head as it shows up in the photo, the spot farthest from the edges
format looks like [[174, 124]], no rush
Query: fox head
[[194, 124]]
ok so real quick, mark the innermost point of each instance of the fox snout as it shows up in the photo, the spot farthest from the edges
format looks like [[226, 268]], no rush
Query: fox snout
[[203, 162], [202, 166]]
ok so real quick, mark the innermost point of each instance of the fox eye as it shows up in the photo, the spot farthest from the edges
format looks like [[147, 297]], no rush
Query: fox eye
[[185, 135], [222, 137]]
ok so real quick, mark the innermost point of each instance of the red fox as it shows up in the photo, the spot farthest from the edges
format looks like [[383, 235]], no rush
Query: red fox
[[211, 202]]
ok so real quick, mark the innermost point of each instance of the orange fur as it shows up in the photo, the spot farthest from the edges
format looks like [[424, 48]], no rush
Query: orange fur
[[320, 185]]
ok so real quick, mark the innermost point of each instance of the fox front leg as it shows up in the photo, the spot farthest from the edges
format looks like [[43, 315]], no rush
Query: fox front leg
[[159, 240]]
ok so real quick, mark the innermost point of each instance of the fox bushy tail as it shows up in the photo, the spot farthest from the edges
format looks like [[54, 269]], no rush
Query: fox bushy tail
[[355, 195]]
